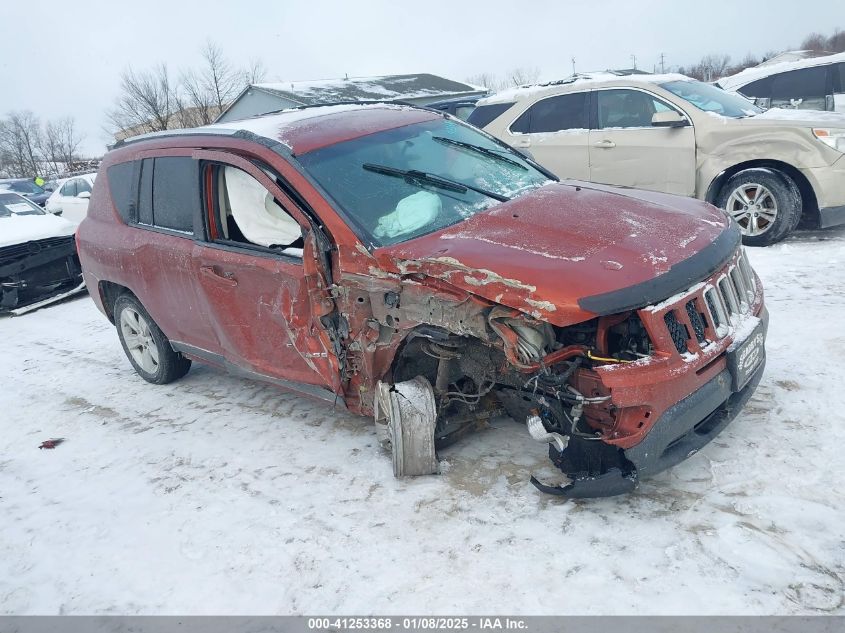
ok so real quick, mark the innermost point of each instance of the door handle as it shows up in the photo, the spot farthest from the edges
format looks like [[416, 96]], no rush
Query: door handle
[[605, 144], [227, 279], [522, 142]]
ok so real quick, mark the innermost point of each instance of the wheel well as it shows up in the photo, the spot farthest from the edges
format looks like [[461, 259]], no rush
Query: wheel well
[[109, 292], [810, 206]]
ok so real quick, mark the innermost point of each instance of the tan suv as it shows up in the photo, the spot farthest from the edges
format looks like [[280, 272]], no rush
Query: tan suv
[[674, 134]]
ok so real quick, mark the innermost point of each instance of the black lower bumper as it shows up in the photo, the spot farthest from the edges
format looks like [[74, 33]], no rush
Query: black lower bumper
[[680, 432]]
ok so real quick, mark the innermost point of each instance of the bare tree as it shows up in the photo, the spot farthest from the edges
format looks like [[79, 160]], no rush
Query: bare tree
[[20, 140], [256, 73], [524, 75], [218, 77], [487, 80], [148, 101], [710, 68], [836, 42], [814, 42]]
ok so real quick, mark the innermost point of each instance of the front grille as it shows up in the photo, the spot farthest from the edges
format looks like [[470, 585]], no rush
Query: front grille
[[697, 321], [677, 331], [16, 251], [708, 312]]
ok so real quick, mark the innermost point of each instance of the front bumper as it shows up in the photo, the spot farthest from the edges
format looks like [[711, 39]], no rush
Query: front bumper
[[831, 216], [47, 270], [681, 431]]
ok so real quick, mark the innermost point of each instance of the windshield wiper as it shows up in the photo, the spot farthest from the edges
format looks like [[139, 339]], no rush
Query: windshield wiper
[[480, 150], [414, 177]]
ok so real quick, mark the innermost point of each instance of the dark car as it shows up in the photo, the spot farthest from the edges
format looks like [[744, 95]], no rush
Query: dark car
[[38, 261], [412, 268], [461, 107], [27, 188]]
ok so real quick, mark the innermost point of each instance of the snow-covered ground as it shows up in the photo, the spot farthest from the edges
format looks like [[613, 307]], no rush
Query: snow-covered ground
[[220, 495]]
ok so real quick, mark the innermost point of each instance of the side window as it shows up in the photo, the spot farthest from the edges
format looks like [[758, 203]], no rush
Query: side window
[[249, 214], [483, 115], [839, 78], [463, 111], [554, 114], [145, 192], [760, 89], [82, 185], [805, 88], [175, 193], [627, 108], [121, 183], [69, 188]]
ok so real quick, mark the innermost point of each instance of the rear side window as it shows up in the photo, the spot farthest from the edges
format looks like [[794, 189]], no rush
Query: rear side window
[[483, 115], [796, 84], [120, 178], [69, 188], [169, 193], [564, 112]]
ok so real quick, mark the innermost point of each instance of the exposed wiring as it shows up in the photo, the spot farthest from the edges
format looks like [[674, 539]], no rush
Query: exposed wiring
[[604, 359]]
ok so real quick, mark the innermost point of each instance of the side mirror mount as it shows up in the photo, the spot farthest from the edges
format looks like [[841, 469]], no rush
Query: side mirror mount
[[84, 195], [669, 118]]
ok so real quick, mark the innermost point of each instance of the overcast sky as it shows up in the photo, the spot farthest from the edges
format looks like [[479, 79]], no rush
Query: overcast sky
[[61, 58]]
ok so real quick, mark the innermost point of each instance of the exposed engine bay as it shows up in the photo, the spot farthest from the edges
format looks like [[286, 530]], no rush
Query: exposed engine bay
[[531, 371]]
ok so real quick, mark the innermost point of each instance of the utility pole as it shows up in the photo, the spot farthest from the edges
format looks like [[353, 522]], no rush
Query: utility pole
[[662, 63], [573, 65], [634, 61]]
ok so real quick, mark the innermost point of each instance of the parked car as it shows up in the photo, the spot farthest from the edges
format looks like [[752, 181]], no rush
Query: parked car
[[70, 199], [415, 269], [674, 134], [461, 107], [38, 261], [25, 187], [817, 83]]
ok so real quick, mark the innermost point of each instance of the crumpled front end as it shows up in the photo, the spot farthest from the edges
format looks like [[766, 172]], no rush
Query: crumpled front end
[[38, 272], [639, 417]]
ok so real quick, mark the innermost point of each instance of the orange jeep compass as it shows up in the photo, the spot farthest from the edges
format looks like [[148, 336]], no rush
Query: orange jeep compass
[[413, 268]]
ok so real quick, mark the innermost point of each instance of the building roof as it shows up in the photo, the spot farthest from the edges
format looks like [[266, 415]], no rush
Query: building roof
[[384, 87], [737, 81]]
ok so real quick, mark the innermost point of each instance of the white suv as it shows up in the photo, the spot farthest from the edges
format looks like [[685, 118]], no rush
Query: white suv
[[673, 134]]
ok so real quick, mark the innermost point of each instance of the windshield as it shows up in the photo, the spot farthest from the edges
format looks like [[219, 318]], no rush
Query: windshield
[[13, 204], [420, 178], [21, 186], [712, 99]]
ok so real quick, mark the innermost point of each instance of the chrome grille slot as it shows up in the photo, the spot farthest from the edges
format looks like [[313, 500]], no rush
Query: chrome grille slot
[[728, 297], [747, 276], [739, 289], [718, 316]]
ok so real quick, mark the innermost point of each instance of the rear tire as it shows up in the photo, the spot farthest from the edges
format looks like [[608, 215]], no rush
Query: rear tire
[[766, 204], [145, 345]]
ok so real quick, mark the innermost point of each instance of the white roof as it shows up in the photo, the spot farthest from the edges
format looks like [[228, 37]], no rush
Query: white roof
[[579, 80], [734, 82]]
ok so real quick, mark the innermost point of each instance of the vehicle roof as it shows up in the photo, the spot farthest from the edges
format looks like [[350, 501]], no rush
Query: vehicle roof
[[744, 77], [580, 81], [309, 128]]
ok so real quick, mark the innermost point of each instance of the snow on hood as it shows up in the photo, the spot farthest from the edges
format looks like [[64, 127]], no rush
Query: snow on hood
[[808, 117], [18, 229], [541, 252]]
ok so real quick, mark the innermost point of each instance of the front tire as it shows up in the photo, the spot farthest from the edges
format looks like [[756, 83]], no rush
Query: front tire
[[145, 345], [766, 205]]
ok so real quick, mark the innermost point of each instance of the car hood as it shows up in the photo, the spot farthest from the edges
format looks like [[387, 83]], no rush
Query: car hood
[[569, 251], [800, 118], [18, 229]]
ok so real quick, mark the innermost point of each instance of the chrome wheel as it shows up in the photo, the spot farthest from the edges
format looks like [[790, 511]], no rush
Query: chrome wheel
[[139, 340], [753, 207]]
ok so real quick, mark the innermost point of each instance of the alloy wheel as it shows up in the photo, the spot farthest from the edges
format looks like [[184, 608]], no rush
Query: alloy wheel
[[753, 207], [139, 340]]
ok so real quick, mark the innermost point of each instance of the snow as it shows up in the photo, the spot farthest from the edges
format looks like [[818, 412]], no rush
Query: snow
[[811, 116], [17, 229], [220, 495], [367, 85], [735, 82]]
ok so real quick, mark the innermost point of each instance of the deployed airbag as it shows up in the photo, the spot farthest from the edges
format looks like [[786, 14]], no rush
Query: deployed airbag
[[411, 214]]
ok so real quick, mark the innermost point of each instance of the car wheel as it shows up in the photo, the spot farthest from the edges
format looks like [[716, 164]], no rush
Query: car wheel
[[146, 346], [766, 205]]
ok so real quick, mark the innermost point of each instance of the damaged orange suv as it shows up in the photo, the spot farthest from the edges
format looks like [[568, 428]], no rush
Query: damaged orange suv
[[417, 270]]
